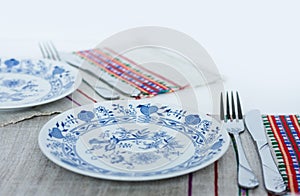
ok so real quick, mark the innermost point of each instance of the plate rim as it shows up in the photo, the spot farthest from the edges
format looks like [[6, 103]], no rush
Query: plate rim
[[77, 82], [45, 151]]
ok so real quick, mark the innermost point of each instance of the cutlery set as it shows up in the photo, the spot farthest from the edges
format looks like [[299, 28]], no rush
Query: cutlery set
[[234, 124], [233, 120]]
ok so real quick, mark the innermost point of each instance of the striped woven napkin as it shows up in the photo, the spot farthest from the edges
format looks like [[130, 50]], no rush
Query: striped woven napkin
[[151, 71], [284, 132], [149, 82]]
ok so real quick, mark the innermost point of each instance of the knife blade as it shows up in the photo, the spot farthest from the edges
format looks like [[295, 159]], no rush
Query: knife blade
[[273, 181]]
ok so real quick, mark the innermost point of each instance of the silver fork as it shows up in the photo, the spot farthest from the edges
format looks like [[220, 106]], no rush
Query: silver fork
[[49, 51], [234, 124]]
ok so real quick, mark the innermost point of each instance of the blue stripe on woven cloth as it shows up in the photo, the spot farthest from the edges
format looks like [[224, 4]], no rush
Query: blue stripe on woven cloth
[[283, 132]]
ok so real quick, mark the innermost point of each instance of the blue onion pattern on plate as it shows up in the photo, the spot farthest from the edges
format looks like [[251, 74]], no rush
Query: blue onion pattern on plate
[[132, 140], [31, 82]]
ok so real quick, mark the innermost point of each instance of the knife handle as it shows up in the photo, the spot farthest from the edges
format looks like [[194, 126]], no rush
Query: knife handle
[[272, 178]]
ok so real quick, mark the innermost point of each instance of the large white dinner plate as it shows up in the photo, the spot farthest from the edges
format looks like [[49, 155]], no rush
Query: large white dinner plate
[[132, 140], [31, 82]]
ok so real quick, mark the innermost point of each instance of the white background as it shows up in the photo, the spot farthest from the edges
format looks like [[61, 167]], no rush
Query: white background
[[255, 44]]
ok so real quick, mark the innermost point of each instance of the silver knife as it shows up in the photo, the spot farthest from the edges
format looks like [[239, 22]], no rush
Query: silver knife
[[272, 179]]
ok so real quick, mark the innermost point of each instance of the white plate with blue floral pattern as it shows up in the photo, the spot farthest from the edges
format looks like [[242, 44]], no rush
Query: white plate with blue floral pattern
[[132, 140], [31, 82]]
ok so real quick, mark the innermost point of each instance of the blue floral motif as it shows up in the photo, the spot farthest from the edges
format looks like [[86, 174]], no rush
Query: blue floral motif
[[130, 111], [19, 89], [86, 116], [55, 132], [205, 125], [217, 145], [13, 83], [117, 159], [144, 158], [112, 144], [102, 112], [58, 70], [192, 119], [71, 139], [27, 88], [11, 62], [147, 110], [133, 148], [177, 113], [123, 133]]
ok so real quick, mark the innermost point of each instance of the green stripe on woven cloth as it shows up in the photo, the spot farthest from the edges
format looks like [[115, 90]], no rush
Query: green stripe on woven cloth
[[243, 192], [283, 133]]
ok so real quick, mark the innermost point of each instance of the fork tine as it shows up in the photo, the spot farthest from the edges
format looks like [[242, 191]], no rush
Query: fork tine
[[49, 51], [239, 107], [46, 51], [228, 117], [232, 106], [54, 50], [221, 108], [42, 50]]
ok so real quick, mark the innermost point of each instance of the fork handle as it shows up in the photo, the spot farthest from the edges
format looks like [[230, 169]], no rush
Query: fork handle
[[246, 177]]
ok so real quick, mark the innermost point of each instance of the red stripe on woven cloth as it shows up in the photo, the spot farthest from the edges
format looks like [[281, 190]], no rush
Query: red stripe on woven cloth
[[292, 182], [86, 57], [216, 178], [104, 68], [131, 70], [135, 73], [295, 123], [87, 96], [145, 69], [82, 93], [291, 137], [190, 184], [71, 99], [134, 81]]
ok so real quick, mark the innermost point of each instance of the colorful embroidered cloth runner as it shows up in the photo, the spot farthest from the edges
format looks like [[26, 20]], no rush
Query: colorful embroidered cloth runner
[[284, 133], [149, 82]]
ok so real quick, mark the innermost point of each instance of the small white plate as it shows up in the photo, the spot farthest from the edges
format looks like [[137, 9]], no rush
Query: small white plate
[[31, 82], [132, 140]]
